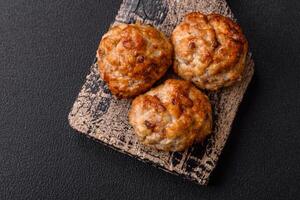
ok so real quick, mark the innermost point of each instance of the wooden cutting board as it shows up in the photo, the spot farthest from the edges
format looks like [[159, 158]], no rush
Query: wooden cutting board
[[101, 116]]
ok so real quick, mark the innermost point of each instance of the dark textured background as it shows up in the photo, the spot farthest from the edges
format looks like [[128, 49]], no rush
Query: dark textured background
[[46, 48]]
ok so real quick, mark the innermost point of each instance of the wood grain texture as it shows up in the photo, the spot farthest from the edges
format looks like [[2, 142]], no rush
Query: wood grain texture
[[101, 116]]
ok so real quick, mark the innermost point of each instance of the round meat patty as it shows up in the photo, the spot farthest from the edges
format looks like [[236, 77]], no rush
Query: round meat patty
[[132, 57], [172, 116], [210, 50]]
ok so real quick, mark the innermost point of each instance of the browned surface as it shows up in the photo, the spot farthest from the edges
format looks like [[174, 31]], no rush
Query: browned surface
[[103, 117], [132, 58], [210, 50], [172, 116]]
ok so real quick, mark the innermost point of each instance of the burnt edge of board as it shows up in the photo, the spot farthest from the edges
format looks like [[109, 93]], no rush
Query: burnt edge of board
[[98, 114]]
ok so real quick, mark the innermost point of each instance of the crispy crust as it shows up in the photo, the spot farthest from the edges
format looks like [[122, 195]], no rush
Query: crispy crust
[[172, 116], [132, 57], [210, 50]]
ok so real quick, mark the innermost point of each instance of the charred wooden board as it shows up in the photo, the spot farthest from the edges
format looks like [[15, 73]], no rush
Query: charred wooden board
[[99, 115]]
